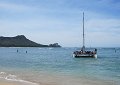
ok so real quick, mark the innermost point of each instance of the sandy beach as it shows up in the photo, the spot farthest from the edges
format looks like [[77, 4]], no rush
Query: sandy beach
[[50, 79], [4, 82], [9, 82]]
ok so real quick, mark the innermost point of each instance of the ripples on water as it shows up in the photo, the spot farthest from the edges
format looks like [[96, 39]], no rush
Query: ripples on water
[[60, 61]]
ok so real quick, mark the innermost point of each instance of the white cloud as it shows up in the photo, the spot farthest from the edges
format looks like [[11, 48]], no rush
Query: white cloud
[[102, 39], [15, 7], [107, 25], [102, 32], [61, 24], [61, 37], [99, 32]]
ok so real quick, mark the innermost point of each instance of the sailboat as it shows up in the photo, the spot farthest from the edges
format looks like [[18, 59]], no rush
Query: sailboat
[[83, 53]]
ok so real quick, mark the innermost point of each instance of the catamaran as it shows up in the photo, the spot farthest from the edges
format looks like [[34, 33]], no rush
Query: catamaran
[[83, 53]]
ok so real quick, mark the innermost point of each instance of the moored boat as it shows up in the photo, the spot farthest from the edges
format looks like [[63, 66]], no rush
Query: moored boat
[[83, 53], [86, 54]]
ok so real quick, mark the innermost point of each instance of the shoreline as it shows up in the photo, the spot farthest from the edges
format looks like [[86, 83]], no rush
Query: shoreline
[[58, 82], [44, 67], [13, 82], [46, 79]]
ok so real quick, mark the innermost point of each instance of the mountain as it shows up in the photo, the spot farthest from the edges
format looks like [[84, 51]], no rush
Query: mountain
[[21, 41]]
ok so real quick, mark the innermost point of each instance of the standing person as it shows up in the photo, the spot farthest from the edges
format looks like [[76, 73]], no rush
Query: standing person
[[95, 50], [17, 50], [115, 50]]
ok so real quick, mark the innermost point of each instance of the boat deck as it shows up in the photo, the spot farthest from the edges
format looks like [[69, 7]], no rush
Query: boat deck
[[86, 54]]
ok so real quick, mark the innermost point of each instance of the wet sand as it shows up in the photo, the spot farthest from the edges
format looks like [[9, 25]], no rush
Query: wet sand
[[55, 80], [68, 82], [7, 82]]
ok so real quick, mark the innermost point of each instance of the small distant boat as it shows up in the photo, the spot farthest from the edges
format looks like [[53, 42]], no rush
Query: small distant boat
[[83, 53]]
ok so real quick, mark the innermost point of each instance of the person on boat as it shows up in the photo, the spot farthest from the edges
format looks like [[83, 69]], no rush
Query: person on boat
[[95, 50], [115, 50]]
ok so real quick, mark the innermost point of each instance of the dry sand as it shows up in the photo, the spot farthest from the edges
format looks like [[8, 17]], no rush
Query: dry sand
[[4, 83]]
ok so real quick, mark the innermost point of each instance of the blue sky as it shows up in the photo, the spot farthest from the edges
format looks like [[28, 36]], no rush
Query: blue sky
[[50, 21]]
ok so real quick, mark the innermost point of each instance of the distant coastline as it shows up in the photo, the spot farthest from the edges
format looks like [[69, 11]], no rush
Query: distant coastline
[[22, 41]]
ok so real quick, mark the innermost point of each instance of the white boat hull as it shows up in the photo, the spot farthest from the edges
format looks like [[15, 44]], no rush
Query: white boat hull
[[85, 56]]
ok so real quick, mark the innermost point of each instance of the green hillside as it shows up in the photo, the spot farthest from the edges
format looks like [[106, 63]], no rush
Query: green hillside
[[21, 41]]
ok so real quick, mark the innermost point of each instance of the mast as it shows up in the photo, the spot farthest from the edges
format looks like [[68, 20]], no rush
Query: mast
[[83, 31], [83, 48]]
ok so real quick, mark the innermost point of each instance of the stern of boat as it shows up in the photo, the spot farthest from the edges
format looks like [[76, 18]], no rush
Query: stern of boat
[[95, 56]]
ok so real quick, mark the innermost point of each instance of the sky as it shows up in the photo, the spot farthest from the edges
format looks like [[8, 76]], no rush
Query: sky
[[51, 21]]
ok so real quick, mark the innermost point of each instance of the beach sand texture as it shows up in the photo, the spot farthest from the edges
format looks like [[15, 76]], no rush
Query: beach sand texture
[[58, 81], [7, 82]]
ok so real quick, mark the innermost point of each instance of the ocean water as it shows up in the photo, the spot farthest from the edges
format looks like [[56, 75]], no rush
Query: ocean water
[[56, 66]]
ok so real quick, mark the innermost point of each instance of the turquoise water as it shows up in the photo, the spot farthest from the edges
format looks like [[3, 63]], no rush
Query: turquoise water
[[59, 61]]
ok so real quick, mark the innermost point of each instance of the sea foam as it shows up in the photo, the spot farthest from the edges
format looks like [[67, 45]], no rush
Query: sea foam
[[14, 78]]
